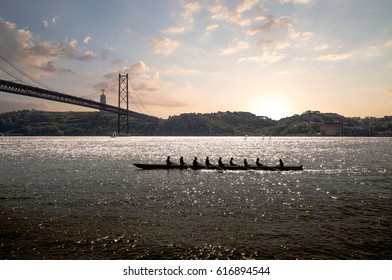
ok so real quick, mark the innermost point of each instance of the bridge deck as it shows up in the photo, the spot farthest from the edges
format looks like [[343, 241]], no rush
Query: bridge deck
[[16, 88]]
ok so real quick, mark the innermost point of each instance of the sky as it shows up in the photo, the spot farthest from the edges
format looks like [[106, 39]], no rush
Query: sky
[[273, 58]]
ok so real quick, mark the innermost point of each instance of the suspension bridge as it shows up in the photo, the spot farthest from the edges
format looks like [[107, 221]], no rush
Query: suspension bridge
[[123, 113]]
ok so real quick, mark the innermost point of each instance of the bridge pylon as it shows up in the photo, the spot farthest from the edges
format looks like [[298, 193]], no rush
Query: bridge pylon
[[123, 120]]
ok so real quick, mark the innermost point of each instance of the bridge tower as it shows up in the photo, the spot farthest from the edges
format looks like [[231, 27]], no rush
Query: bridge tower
[[123, 120]]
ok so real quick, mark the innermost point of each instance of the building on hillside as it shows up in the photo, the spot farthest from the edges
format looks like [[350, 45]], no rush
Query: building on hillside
[[331, 128]]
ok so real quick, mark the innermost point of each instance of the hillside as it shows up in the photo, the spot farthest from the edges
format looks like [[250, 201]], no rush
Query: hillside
[[310, 123]]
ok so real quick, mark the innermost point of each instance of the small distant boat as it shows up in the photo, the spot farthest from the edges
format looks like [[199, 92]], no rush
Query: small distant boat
[[214, 167]]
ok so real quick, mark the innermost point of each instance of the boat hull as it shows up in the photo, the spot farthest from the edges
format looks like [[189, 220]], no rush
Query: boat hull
[[160, 166], [213, 167]]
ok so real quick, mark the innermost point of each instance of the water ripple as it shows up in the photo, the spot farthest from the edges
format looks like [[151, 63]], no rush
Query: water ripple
[[81, 198]]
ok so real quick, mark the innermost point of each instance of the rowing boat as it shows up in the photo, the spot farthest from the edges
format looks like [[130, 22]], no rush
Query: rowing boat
[[213, 167]]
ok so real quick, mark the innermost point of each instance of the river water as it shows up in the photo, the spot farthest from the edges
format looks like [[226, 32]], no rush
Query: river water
[[82, 198]]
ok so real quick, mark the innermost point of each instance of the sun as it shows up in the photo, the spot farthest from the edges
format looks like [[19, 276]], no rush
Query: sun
[[272, 108]]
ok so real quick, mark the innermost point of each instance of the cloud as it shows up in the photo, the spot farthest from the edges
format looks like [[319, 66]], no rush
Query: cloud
[[193, 6], [212, 27], [268, 57], [88, 55], [235, 14], [86, 40], [24, 49], [106, 85], [105, 53], [249, 17], [49, 50], [388, 91], [52, 21], [150, 86], [321, 47], [335, 57], [245, 5], [272, 24], [189, 10], [378, 49], [274, 44], [175, 30], [138, 69], [119, 61], [187, 18], [139, 73], [234, 46], [388, 43], [178, 70], [50, 67], [165, 46], [296, 1], [252, 19]]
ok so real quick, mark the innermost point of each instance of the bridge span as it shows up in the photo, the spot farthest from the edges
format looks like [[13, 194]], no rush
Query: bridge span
[[16, 88]]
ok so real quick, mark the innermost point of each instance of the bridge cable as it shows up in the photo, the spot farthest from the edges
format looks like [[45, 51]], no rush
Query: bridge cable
[[19, 79], [24, 73], [133, 101], [13, 65], [148, 113]]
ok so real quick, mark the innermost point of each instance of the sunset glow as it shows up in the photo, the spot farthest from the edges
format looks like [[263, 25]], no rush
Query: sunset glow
[[272, 108], [274, 58]]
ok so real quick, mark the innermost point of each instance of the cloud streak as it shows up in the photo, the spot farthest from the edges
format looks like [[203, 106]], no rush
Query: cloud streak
[[334, 57], [266, 57], [306, 2]]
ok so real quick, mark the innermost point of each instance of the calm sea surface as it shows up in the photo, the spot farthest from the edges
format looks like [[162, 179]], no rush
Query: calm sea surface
[[82, 198]]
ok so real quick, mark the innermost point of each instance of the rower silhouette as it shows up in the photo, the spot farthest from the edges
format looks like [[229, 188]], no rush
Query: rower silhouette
[[207, 161], [195, 163], [168, 161], [220, 163], [232, 163], [245, 163]]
